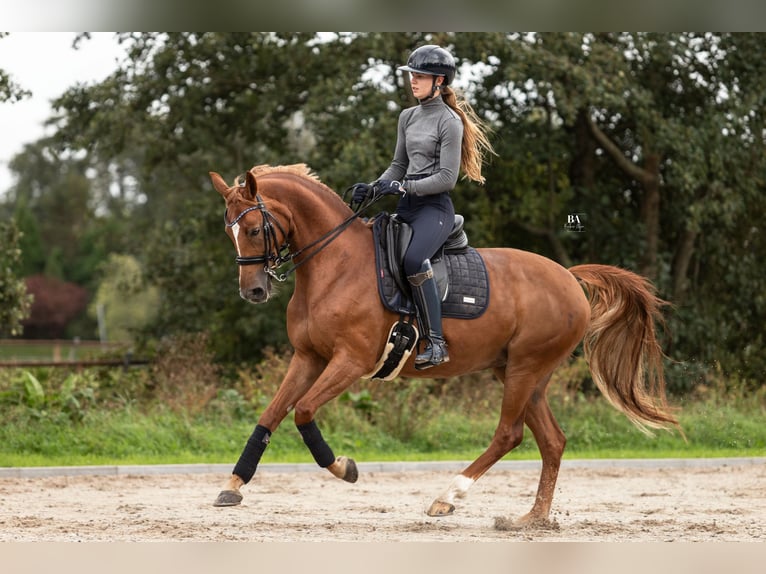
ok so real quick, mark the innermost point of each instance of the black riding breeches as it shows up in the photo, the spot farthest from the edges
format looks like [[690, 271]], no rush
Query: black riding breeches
[[431, 219]]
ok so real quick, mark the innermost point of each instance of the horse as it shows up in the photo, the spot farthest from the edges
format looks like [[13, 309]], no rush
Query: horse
[[538, 312]]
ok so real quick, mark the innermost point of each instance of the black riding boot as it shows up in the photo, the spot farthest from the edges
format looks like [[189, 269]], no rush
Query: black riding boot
[[426, 296]]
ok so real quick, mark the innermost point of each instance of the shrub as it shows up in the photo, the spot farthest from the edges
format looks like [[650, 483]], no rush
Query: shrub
[[185, 378]]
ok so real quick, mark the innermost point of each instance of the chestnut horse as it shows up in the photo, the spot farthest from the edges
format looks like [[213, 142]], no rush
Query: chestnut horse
[[538, 312]]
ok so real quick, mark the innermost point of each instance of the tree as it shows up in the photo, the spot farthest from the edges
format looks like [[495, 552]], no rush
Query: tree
[[52, 198], [56, 303], [655, 139], [128, 303], [181, 106], [666, 156], [15, 302], [10, 91]]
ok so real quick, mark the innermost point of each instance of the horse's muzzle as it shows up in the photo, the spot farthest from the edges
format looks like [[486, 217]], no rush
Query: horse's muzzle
[[255, 294], [254, 284]]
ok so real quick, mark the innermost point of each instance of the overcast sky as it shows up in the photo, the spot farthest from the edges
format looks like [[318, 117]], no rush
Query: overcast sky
[[45, 64]]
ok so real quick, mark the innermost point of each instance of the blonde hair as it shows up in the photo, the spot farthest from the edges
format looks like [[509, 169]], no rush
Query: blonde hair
[[476, 144]]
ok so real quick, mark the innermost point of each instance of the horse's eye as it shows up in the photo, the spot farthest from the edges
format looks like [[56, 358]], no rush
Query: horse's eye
[[254, 231]]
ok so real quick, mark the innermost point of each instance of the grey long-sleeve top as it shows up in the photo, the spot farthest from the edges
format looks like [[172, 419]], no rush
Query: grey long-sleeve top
[[428, 145]]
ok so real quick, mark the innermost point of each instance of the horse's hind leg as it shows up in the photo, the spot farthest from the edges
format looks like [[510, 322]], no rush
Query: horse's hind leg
[[518, 387], [551, 442]]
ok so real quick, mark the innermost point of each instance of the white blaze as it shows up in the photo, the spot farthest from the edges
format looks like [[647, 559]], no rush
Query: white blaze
[[235, 230]]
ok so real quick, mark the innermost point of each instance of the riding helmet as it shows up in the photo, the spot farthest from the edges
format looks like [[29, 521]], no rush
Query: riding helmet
[[433, 60]]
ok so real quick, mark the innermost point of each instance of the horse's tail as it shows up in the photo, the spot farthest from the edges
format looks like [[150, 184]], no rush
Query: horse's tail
[[621, 346]]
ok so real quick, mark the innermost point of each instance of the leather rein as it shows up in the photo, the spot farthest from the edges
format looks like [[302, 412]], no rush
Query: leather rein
[[276, 256]]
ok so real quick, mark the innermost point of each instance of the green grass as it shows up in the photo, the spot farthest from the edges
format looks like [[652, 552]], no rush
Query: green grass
[[171, 413], [126, 437]]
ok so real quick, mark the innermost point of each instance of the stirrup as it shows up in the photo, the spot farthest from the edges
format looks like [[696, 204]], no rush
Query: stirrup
[[434, 354]]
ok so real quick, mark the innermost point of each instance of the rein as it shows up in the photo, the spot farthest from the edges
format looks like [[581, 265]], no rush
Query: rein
[[275, 257]]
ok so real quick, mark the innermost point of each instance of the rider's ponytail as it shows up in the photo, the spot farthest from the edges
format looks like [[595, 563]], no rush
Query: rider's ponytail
[[476, 144]]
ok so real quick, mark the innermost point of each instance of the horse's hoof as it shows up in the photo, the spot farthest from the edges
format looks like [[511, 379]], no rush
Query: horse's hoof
[[526, 522], [352, 473], [344, 468], [439, 508], [228, 498]]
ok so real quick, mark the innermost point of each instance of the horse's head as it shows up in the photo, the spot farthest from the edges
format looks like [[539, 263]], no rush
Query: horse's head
[[256, 235]]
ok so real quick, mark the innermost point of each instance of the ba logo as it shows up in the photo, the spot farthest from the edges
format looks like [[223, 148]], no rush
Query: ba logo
[[574, 223]]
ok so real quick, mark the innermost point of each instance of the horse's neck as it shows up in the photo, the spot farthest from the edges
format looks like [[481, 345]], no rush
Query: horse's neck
[[314, 214]]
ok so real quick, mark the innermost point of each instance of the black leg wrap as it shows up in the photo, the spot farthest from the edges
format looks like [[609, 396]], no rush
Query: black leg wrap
[[251, 456], [321, 451]]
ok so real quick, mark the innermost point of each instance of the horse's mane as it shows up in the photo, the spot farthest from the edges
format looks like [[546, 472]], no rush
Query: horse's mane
[[300, 170]]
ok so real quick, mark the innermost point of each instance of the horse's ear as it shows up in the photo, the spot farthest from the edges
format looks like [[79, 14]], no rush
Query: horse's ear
[[219, 184], [251, 187]]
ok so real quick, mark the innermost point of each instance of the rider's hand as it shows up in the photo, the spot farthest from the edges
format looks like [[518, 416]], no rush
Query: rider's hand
[[387, 187], [360, 192]]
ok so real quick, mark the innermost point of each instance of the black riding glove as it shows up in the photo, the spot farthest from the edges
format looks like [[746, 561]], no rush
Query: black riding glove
[[387, 187], [360, 192]]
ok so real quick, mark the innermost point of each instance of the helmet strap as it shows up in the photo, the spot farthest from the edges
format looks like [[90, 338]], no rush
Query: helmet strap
[[434, 88]]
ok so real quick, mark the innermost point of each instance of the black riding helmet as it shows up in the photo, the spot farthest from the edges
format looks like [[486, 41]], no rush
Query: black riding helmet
[[433, 60]]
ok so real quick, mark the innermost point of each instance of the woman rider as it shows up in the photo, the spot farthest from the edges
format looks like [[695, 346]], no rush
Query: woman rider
[[435, 140]]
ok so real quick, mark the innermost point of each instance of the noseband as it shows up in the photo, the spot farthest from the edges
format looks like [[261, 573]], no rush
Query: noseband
[[273, 257]]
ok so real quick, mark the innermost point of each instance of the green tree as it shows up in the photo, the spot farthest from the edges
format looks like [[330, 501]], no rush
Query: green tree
[[657, 139], [15, 302], [128, 303], [180, 106], [662, 134], [68, 212], [10, 91]]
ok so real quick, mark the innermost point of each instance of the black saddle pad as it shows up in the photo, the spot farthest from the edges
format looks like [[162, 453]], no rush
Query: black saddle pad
[[463, 271]]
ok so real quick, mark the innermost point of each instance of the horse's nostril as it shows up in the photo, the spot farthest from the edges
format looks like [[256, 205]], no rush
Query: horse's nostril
[[256, 294]]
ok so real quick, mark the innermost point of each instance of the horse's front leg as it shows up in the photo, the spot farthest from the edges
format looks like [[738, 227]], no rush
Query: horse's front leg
[[340, 374], [301, 374]]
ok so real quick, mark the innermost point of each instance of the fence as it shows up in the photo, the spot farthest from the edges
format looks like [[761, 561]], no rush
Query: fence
[[74, 353]]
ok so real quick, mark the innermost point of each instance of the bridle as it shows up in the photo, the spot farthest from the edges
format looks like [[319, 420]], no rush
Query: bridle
[[274, 255]]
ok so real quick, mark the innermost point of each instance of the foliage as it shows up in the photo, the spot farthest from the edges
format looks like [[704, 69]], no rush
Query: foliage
[[10, 91], [127, 301], [164, 415], [57, 207], [56, 303], [654, 139], [64, 401], [15, 302], [184, 377]]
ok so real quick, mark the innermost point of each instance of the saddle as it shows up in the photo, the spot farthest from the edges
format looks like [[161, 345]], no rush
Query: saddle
[[459, 270], [460, 274]]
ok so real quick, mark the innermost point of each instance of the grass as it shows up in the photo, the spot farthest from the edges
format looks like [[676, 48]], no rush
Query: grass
[[126, 437], [179, 412]]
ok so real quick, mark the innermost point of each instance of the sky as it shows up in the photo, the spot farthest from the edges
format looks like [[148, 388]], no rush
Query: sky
[[46, 64]]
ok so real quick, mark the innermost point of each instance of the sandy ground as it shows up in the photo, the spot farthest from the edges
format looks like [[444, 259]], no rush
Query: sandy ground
[[615, 504]]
